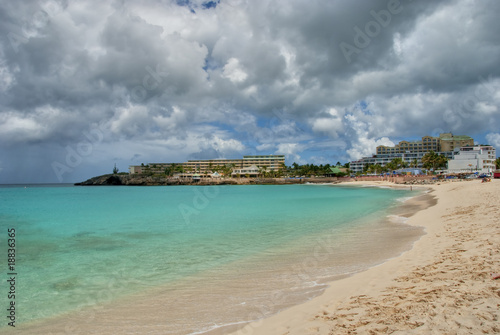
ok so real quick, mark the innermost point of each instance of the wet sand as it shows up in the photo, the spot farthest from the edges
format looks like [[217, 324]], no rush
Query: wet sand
[[443, 285]]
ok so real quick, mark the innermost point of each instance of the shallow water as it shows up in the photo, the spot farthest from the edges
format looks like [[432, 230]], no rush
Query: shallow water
[[190, 259]]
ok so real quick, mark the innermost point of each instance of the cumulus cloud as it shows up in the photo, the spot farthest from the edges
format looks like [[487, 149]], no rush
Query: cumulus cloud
[[330, 124], [494, 140], [235, 77], [364, 144], [233, 71], [291, 151]]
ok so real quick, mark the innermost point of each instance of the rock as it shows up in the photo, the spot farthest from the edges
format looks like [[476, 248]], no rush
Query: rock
[[143, 180]]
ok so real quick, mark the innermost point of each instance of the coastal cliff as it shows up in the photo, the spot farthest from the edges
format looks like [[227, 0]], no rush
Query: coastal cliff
[[143, 180]]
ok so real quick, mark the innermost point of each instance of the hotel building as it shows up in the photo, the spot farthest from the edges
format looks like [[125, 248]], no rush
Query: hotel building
[[268, 162], [480, 158], [411, 151], [446, 142], [154, 168]]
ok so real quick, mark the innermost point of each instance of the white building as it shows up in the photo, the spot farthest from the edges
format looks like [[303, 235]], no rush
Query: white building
[[480, 158], [251, 171], [409, 158]]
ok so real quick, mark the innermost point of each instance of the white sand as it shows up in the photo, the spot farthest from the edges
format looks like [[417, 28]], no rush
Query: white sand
[[442, 286]]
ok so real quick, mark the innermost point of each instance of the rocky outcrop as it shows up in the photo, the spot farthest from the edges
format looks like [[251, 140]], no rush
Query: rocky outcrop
[[143, 180], [139, 180]]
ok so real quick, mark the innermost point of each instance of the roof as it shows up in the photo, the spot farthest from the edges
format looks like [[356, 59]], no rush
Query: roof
[[335, 170], [409, 170], [252, 167], [457, 138]]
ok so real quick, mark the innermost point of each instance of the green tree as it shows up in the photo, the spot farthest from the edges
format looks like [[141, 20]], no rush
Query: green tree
[[283, 169], [428, 160], [263, 171], [147, 170], [399, 163], [170, 170], [115, 170], [378, 168], [432, 160], [497, 162], [227, 170]]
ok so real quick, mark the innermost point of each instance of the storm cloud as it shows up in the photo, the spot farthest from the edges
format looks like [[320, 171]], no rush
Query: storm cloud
[[85, 85]]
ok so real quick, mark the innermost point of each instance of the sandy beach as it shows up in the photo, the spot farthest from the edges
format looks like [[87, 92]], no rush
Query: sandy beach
[[443, 285]]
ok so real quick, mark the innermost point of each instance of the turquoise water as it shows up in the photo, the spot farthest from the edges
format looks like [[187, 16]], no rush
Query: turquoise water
[[77, 246]]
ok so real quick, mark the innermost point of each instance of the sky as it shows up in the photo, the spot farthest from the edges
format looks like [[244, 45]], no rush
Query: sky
[[85, 85]]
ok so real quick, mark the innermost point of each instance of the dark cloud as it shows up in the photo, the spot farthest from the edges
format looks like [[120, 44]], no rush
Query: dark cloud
[[319, 81]]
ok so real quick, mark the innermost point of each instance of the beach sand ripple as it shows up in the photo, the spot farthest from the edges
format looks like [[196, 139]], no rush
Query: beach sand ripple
[[455, 294]]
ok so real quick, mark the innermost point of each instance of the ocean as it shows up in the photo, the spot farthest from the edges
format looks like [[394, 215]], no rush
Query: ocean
[[188, 259]]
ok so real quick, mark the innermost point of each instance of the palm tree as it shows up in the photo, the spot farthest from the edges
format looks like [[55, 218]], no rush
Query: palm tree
[[263, 171], [434, 161], [283, 168], [227, 170]]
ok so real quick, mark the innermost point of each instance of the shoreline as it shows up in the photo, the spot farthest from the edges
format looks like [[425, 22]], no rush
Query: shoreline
[[354, 303], [143, 180], [429, 288], [398, 215], [382, 251]]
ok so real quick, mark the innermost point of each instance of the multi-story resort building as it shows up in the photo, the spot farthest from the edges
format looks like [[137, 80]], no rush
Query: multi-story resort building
[[480, 158], [446, 142], [411, 152], [154, 168], [267, 162]]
